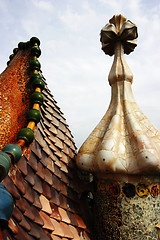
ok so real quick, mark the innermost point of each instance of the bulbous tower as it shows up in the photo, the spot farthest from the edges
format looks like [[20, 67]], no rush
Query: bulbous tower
[[123, 151]]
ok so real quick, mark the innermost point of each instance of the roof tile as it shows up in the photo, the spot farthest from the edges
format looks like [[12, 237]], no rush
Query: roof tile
[[48, 176], [22, 165], [38, 184], [55, 212], [45, 204], [74, 232], [33, 161], [47, 222], [36, 202], [57, 228], [66, 230], [46, 190], [28, 192], [54, 196], [37, 149], [11, 187], [30, 176], [64, 215]]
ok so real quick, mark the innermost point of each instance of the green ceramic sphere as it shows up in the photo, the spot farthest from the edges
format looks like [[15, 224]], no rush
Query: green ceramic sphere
[[34, 115], [14, 150], [15, 50], [34, 40], [37, 97], [35, 64], [35, 76], [35, 51], [26, 134], [38, 83], [21, 45], [5, 164]]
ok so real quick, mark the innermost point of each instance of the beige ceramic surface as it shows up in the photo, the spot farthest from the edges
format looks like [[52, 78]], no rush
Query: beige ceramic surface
[[124, 141]]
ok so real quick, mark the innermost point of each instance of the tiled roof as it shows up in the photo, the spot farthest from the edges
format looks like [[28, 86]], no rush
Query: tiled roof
[[42, 183]]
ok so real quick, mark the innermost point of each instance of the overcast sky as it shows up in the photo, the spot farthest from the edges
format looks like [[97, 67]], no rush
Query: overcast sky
[[72, 61]]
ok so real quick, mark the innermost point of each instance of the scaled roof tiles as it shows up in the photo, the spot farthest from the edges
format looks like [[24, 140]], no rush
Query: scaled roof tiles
[[42, 183]]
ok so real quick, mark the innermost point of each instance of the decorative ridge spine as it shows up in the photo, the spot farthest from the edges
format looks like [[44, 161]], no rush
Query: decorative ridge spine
[[11, 153]]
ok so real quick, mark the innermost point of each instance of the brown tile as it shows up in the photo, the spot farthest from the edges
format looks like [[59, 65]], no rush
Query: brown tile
[[54, 197], [64, 215], [67, 141], [22, 165], [48, 141], [55, 237], [66, 230], [58, 153], [46, 130], [60, 135], [11, 187], [34, 232], [46, 123], [43, 235], [65, 149], [30, 176], [18, 181], [47, 150], [52, 138], [57, 171], [63, 201], [48, 176], [33, 161], [39, 138], [44, 158], [55, 121], [74, 232], [50, 164], [57, 161], [48, 116], [80, 222], [57, 228], [55, 212], [47, 222], [45, 204], [37, 217], [72, 218], [22, 234], [6, 235], [19, 204], [64, 158], [24, 223], [64, 178], [28, 210], [71, 154], [28, 192], [58, 143], [49, 109], [40, 170], [38, 184], [56, 183], [36, 202], [62, 127], [46, 190], [64, 168], [36, 148], [53, 129], [17, 214]]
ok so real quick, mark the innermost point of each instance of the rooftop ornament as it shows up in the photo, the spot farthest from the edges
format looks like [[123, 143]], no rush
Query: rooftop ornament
[[124, 142]]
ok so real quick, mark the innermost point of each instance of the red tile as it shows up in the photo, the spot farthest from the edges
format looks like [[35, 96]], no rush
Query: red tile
[[12, 226], [72, 219], [55, 212], [80, 221]]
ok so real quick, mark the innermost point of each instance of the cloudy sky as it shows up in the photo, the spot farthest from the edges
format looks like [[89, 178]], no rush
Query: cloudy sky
[[72, 61]]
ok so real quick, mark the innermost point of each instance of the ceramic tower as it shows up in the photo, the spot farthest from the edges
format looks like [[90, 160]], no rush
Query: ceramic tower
[[123, 151]]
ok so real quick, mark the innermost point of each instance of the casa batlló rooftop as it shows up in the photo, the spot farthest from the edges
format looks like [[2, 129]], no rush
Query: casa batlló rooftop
[[48, 191]]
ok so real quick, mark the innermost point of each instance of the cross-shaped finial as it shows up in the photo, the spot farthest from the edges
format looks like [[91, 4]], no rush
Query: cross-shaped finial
[[118, 29]]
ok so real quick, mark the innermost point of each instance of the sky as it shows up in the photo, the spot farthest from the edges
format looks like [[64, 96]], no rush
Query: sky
[[75, 67]]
